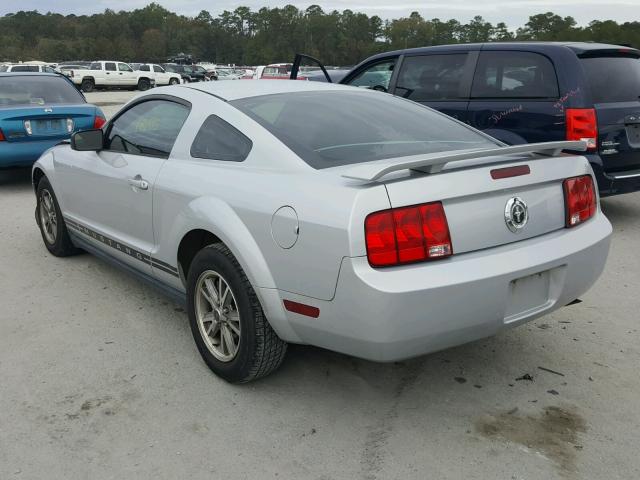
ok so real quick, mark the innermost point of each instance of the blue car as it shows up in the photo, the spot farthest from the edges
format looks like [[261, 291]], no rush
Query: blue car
[[38, 111]]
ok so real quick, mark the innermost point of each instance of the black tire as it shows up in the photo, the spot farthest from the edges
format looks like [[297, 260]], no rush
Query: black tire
[[174, 81], [186, 80], [61, 245], [88, 85], [260, 351], [144, 84]]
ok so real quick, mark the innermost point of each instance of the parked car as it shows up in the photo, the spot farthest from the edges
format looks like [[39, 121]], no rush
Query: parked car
[[189, 73], [274, 71], [110, 74], [25, 67], [66, 69], [159, 74], [528, 92], [227, 74], [429, 233], [37, 111]]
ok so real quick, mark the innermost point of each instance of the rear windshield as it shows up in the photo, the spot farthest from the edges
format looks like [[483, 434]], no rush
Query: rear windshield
[[334, 128], [22, 90], [613, 79]]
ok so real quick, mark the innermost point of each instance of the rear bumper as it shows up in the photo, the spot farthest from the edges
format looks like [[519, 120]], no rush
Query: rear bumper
[[18, 154], [614, 183], [402, 312]]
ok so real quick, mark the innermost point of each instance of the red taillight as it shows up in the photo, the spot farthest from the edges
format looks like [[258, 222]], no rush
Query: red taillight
[[99, 121], [2, 139], [582, 125], [407, 235], [580, 200]]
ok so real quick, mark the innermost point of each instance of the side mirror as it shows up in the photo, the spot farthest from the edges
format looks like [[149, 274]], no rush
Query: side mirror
[[88, 140]]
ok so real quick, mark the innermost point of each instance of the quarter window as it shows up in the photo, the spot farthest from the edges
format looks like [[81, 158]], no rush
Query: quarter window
[[432, 77], [514, 75], [148, 128], [218, 140], [375, 77]]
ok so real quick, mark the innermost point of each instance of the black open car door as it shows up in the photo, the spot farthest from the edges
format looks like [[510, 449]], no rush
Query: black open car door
[[298, 60]]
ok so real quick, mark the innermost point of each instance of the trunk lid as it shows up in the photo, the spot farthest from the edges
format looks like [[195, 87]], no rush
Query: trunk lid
[[475, 203], [614, 79], [26, 124]]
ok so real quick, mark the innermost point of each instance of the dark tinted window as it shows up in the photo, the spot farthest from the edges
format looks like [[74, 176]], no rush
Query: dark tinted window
[[332, 128], [218, 140], [110, 67], [95, 66], [37, 90], [144, 68], [613, 79], [514, 75], [158, 69], [148, 128], [24, 68], [431, 77]]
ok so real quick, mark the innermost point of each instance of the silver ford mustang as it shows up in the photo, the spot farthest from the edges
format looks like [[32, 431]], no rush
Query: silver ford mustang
[[312, 213]]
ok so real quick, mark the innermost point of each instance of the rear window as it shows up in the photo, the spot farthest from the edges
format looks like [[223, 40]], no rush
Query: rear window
[[613, 79], [37, 90], [334, 128]]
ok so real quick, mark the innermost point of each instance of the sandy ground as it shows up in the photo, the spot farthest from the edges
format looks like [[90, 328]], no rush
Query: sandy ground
[[100, 378]]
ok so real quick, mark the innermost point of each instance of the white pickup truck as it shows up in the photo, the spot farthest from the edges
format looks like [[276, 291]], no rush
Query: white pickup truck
[[111, 74], [159, 74]]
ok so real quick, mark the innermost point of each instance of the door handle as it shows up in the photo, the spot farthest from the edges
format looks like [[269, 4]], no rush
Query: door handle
[[139, 183]]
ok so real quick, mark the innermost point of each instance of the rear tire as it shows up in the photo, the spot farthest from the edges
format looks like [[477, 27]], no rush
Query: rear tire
[[256, 349], [144, 84], [88, 86], [51, 222]]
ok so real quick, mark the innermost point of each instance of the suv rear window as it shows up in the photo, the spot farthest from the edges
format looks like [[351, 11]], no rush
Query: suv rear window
[[333, 128], [613, 78], [514, 75]]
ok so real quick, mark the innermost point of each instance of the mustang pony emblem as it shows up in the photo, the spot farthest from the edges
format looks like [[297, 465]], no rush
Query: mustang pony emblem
[[516, 214]]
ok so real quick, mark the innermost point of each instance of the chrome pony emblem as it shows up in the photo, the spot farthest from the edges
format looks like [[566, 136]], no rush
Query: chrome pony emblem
[[516, 214]]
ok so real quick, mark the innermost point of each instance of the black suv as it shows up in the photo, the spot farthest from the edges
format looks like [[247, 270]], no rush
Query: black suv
[[189, 73], [525, 92]]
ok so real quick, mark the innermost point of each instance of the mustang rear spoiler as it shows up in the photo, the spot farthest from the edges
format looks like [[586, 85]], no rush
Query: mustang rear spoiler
[[436, 162]]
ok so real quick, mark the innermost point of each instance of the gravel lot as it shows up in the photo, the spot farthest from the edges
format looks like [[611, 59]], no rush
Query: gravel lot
[[100, 378]]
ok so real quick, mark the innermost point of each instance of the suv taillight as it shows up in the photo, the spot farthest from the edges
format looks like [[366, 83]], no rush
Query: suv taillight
[[407, 235], [579, 199], [582, 124]]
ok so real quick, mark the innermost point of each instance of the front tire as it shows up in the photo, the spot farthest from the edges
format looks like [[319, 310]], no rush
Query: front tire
[[51, 222], [227, 321], [174, 81]]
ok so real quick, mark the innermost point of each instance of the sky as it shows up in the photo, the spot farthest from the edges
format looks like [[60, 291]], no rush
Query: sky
[[513, 12]]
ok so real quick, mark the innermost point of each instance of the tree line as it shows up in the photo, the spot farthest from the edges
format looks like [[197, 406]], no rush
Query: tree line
[[247, 37]]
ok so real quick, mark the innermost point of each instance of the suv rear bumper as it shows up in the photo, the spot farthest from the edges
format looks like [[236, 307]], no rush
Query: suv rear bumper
[[402, 312], [614, 183]]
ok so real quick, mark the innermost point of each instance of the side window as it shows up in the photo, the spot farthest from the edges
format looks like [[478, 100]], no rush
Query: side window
[[218, 140], [25, 68], [123, 67], [49, 70], [148, 128], [95, 66], [158, 69], [376, 77], [144, 68], [514, 75], [110, 67], [432, 77]]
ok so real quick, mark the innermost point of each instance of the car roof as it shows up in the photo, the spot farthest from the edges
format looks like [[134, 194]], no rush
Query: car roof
[[578, 47], [255, 88], [30, 74]]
